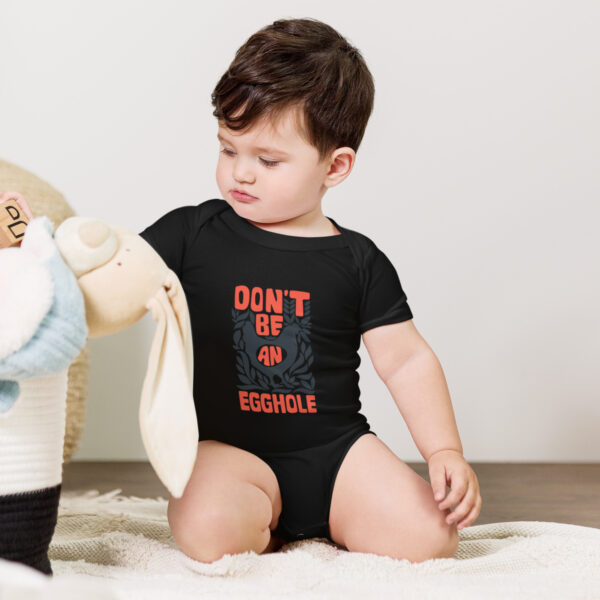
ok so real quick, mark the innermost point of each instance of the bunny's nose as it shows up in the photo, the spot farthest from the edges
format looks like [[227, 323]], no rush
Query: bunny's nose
[[85, 244], [94, 233]]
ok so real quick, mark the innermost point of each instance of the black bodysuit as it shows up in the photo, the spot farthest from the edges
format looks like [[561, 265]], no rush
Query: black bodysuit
[[276, 324]]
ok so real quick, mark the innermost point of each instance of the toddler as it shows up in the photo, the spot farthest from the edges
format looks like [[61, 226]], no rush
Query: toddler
[[279, 296]]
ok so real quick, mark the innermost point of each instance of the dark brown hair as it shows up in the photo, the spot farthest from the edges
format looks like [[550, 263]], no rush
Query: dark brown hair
[[305, 64]]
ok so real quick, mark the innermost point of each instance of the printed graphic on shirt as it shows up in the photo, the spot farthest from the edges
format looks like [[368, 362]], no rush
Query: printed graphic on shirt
[[271, 330]]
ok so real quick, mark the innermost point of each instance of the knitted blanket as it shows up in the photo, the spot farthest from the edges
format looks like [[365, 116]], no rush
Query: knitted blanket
[[110, 546]]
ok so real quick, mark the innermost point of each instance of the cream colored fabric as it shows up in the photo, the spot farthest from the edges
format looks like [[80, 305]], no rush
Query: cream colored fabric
[[114, 547], [167, 414]]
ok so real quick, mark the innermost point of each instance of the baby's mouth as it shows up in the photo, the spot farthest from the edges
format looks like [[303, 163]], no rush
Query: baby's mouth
[[242, 196]]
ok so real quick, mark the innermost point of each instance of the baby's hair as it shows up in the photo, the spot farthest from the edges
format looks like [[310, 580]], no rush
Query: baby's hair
[[304, 64]]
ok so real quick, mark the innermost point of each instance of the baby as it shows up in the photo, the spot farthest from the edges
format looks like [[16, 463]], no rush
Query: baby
[[279, 296]]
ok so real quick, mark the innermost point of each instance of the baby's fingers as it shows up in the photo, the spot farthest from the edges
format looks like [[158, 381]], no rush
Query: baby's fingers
[[472, 514], [459, 486], [464, 506], [437, 477]]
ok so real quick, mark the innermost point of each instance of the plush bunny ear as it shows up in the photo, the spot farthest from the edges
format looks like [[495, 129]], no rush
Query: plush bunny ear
[[180, 307], [167, 413]]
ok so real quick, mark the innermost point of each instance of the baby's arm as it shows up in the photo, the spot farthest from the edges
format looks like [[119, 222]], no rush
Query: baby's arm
[[413, 374]]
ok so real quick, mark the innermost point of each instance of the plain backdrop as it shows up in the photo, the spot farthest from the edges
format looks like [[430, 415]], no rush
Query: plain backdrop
[[478, 176]]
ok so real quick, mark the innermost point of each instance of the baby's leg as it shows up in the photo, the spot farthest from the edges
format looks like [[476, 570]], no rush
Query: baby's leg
[[230, 504], [380, 505]]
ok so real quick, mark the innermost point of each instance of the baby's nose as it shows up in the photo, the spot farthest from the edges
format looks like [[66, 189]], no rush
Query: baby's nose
[[93, 233]]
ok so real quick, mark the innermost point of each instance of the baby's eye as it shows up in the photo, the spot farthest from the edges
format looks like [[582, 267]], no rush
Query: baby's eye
[[267, 163], [270, 163]]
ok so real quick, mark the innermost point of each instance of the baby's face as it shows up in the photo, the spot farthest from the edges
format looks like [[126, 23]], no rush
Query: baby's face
[[276, 166]]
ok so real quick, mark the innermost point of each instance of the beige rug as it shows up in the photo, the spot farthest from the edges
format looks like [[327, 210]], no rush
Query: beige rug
[[110, 546]]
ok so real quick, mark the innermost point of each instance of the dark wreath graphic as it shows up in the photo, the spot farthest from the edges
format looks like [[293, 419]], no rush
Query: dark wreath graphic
[[292, 374]]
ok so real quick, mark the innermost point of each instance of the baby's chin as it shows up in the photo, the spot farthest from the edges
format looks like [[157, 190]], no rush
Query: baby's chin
[[245, 209]]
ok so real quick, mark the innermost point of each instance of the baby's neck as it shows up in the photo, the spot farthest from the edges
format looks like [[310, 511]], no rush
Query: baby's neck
[[324, 227]]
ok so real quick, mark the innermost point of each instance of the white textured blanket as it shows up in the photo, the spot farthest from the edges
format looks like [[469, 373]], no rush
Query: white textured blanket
[[110, 546]]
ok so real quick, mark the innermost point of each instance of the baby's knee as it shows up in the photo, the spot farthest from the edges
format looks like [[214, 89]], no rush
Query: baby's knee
[[207, 534], [432, 542], [448, 542], [216, 538], [442, 538]]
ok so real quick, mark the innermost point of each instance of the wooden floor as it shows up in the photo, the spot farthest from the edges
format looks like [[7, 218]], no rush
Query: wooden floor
[[563, 493]]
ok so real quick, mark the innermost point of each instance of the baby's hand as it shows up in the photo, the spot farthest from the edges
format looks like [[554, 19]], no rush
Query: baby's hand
[[449, 466]]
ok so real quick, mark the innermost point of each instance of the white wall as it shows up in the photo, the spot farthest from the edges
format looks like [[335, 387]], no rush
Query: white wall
[[478, 176]]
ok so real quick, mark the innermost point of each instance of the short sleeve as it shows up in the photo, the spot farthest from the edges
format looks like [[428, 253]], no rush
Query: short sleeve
[[383, 300], [168, 235]]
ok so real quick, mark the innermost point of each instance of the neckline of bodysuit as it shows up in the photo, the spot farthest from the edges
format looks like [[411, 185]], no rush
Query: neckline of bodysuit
[[282, 240]]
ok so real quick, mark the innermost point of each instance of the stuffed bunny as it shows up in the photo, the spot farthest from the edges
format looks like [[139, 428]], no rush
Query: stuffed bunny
[[90, 279]]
